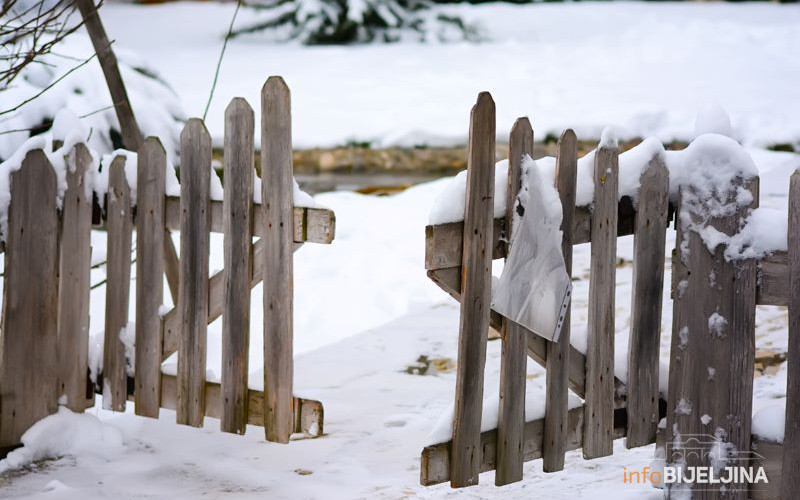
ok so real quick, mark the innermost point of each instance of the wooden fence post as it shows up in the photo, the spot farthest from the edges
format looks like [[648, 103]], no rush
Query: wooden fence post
[[29, 388], [73, 298], [196, 175], [514, 358], [238, 217], [557, 361], [476, 271], [790, 479], [277, 205], [598, 424], [648, 283], [119, 224], [150, 233], [713, 348]]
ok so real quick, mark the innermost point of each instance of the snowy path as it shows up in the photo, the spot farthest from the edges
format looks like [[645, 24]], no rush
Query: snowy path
[[377, 421]]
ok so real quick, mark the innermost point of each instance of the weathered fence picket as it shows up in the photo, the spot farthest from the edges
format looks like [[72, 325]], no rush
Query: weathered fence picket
[[29, 366], [514, 359], [196, 175], [557, 360], [790, 483], [466, 454], [150, 233], [599, 410], [714, 315], [119, 224], [238, 212], [649, 240], [73, 298], [277, 191]]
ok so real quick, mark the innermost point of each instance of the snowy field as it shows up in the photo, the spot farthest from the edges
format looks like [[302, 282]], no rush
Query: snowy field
[[364, 309], [644, 67]]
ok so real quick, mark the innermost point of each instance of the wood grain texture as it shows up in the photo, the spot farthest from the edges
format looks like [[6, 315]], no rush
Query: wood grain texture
[[443, 245], [514, 359], [119, 224], [73, 298], [308, 414], [436, 466], [557, 360], [29, 388], [648, 284], [277, 209], [791, 450], [713, 348], [196, 175], [311, 225], [151, 178], [466, 452], [238, 212], [597, 439]]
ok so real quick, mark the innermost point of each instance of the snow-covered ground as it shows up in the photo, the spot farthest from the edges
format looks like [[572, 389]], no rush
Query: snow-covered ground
[[647, 67]]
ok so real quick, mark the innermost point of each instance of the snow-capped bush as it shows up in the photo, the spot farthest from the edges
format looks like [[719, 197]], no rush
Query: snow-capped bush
[[355, 21], [83, 90]]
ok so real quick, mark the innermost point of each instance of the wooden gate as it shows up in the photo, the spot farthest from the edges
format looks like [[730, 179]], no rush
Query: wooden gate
[[458, 259], [45, 327]]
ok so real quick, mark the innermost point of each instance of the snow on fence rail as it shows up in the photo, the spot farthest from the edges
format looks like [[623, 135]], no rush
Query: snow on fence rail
[[715, 292], [45, 322]]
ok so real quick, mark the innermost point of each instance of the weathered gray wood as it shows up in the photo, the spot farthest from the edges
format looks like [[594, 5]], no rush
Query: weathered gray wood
[[73, 298], [308, 418], [514, 359], [648, 283], [29, 388], [773, 280], [713, 346], [311, 225], [119, 224], [151, 179], [597, 439], [196, 175], [466, 453], [769, 455], [436, 463], [443, 245], [791, 450], [172, 266], [238, 208], [277, 189], [558, 353]]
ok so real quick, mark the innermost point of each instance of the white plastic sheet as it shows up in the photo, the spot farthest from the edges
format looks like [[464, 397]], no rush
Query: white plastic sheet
[[535, 289]]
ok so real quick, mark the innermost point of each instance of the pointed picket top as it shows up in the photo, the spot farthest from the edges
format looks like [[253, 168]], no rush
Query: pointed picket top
[[483, 112], [238, 107], [195, 130]]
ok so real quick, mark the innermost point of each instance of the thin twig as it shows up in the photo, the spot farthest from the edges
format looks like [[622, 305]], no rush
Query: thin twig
[[221, 55], [51, 85]]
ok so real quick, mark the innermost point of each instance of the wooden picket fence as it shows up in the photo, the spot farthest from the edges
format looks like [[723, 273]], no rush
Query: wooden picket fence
[[458, 259], [45, 322]]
